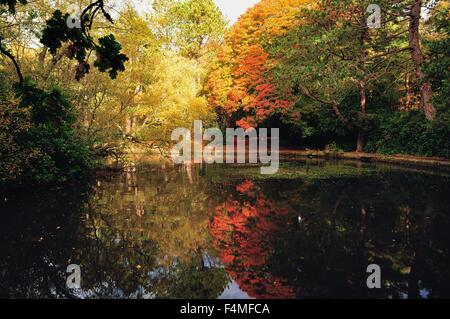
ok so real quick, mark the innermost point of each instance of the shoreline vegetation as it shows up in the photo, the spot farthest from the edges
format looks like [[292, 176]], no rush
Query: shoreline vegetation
[[290, 154], [398, 159], [140, 159]]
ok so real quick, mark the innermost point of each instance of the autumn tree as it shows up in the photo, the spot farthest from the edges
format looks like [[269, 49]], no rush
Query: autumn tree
[[237, 86], [335, 55], [53, 150]]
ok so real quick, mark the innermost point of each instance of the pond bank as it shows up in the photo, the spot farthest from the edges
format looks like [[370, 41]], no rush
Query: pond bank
[[292, 154], [409, 160]]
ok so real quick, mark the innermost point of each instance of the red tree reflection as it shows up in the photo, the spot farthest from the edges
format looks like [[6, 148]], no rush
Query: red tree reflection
[[242, 229]]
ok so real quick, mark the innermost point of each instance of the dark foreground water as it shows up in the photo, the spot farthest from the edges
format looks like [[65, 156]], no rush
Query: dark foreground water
[[229, 232]]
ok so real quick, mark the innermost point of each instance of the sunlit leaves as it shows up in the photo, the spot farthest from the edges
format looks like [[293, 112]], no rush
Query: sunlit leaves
[[191, 27], [197, 23], [173, 99], [11, 4]]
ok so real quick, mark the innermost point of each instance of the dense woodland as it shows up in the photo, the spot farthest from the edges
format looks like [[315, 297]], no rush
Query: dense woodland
[[72, 97]]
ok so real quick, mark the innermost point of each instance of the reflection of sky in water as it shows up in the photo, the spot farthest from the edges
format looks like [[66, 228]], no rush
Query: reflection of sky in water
[[424, 293], [234, 292]]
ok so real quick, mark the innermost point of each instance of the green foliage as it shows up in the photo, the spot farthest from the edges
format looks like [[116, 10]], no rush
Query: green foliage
[[327, 61], [57, 32], [47, 108], [38, 143], [38, 140], [80, 43], [437, 68], [410, 133], [193, 25], [63, 156], [318, 63]]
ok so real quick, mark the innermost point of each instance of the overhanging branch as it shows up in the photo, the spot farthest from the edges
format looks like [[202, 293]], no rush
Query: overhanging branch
[[8, 54]]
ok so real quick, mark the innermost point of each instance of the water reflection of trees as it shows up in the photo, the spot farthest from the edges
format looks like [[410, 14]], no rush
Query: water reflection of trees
[[316, 238], [152, 230], [37, 238], [242, 228], [176, 233], [135, 236]]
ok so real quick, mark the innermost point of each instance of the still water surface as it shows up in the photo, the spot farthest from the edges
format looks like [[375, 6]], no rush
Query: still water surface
[[229, 232]]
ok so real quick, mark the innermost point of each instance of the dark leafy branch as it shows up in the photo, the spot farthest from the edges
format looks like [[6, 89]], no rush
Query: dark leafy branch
[[5, 52], [79, 42], [11, 4]]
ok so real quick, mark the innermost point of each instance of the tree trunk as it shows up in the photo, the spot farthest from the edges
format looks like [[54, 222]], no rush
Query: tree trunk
[[362, 82], [128, 124], [361, 142], [42, 55], [418, 59], [409, 103]]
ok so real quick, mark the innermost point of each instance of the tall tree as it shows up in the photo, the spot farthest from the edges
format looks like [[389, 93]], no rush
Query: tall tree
[[415, 16], [437, 66], [237, 86], [191, 27], [334, 56]]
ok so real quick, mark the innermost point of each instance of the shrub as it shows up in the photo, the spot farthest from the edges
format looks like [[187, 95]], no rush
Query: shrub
[[410, 133], [37, 140]]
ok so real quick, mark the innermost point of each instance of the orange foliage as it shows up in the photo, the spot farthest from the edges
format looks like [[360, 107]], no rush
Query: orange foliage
[[240, 80], [242, 228]]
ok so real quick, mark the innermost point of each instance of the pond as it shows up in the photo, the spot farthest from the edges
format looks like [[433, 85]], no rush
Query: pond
[[222, 231]]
